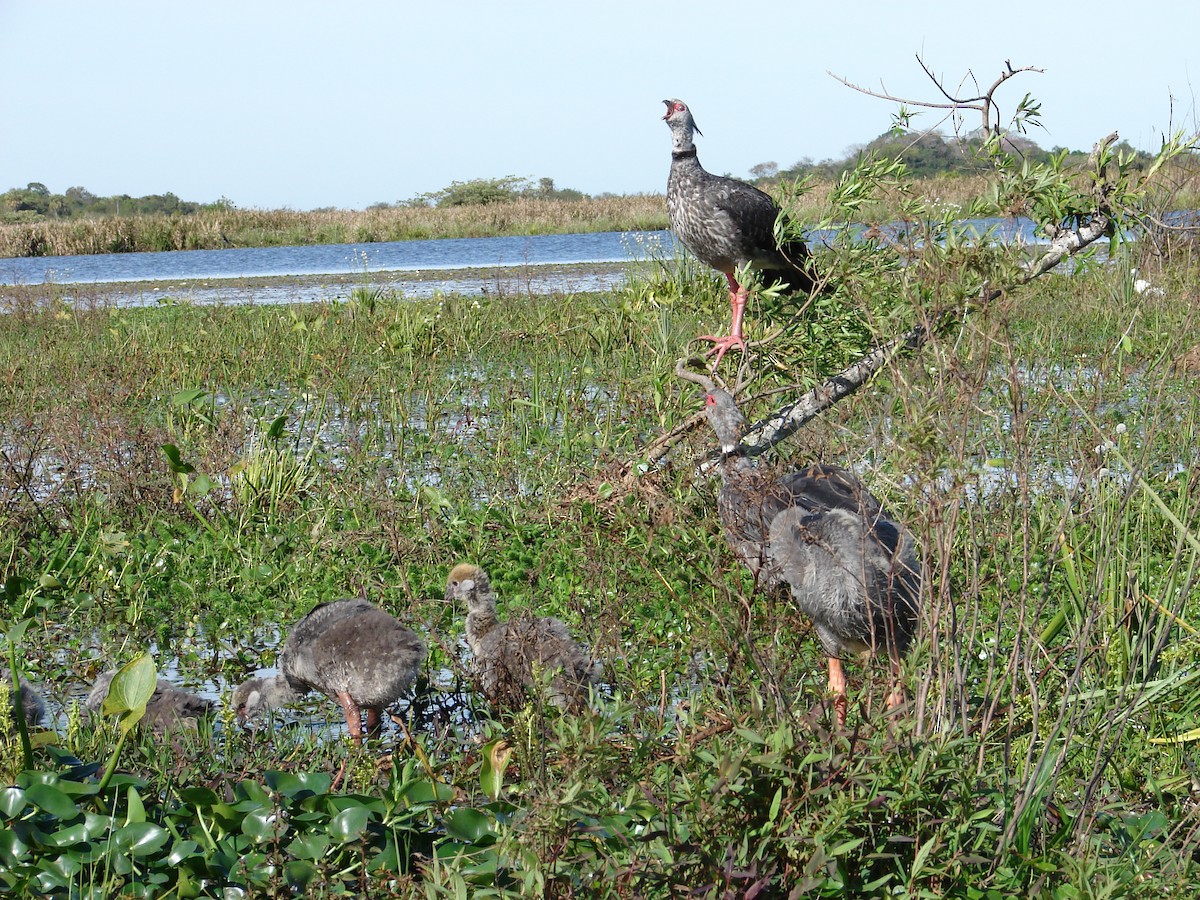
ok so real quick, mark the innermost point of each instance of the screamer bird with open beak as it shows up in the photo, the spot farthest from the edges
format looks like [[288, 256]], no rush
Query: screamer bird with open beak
[[727, 223]]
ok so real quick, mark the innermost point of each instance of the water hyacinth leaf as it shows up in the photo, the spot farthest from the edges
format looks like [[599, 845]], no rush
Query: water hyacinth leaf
[[140, 838], [130, 691], [263, 824], [309, 846], [422, 791], [12, 801], [64, 866], [198, 797], [52, 800], [66, 837], [349, 824], [468, 825], [97, 824], [298, 784], [181, 850], [12, 849], [299, 873]]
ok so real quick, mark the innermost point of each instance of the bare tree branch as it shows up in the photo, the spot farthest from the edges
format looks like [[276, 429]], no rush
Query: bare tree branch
[[984, 104]]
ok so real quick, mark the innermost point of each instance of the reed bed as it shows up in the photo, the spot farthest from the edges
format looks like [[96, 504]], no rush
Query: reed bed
[[215, 230]]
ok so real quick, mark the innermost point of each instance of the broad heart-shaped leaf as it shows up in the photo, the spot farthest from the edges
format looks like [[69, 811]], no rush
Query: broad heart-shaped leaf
[[52, 800], [468, 825], [349, 823], [130, 691], [140, 838], [298, 784], [12, 801]]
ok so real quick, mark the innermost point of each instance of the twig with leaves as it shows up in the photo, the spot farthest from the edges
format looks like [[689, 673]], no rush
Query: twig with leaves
[[1071, 218]]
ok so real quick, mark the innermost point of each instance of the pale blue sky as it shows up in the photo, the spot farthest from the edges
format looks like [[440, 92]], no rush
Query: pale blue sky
[[303, 105]]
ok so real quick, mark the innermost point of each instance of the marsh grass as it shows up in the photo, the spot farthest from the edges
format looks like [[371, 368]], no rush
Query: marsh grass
[[1043, 455]]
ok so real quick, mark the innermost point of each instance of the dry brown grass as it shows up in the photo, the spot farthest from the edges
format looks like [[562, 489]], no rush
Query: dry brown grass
[[214, 230]]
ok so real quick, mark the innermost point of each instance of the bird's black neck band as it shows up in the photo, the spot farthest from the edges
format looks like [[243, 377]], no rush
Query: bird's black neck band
[[684, 154]]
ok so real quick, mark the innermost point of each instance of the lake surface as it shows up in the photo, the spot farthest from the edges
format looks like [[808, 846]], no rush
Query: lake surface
[[335, 259], [524, 264]]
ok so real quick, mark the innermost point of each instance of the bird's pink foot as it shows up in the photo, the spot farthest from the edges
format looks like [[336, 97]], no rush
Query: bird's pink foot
[[723, 345]]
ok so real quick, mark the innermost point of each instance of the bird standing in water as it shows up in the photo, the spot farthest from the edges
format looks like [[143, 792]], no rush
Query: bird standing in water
[[352, 652]]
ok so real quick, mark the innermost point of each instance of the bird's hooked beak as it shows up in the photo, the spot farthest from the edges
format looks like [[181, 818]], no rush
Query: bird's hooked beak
[[671, 111]]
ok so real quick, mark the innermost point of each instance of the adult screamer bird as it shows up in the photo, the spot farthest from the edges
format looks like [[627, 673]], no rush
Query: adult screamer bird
[[850, 567], [509, 655], [352, 652], [727, 223]]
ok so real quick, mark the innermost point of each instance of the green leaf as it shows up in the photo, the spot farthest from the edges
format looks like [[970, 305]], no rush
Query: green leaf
[[299, 873], [309, 846], [52, 800], [298, 784], [275, 432], [263, 824], [175, 460], [130, 691], [12, 801], [496, 756], [469, 825], [140, 838], [349, 823], [136, 811]]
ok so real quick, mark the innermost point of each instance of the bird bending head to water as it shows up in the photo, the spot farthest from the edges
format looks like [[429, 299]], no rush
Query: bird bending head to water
[[349, 650], [727, 223], [509, 654], [168, 707]]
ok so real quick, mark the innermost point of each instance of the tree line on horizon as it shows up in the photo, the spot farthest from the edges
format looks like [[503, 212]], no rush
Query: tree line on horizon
[[928, 154]]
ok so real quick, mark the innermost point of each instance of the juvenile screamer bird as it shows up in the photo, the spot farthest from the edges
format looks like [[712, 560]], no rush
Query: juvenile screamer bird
[[510, 654], [727, 223], [848, 565], [352, 652]]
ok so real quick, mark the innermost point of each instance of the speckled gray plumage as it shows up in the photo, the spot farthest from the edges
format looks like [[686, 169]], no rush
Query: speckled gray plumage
[[168, 707], [507, 654], [349, 647], [26, 697], [724, 222], [848, 565]]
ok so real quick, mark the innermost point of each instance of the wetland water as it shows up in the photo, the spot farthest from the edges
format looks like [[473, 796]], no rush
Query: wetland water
[[538, 264], [534, 263]]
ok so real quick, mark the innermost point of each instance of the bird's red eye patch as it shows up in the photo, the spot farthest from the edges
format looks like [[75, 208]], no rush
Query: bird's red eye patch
[[710, 400]]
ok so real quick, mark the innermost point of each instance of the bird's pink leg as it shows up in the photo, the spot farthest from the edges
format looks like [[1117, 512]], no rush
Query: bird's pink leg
[[374, 725], [722, 345], [353, 716], [896, 696], [837, 687]]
